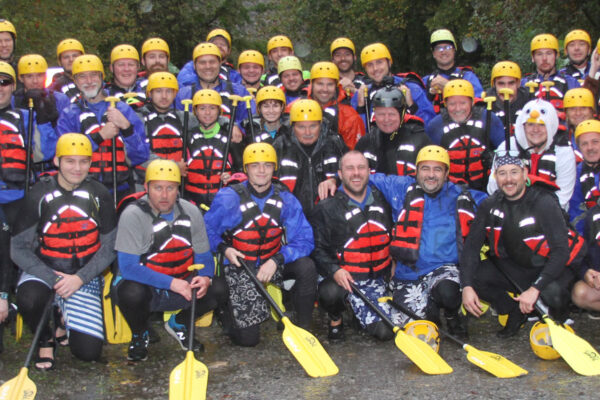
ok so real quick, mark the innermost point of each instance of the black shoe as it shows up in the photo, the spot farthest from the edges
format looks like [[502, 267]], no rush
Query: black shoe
[[457, 326], [138, 347], [514, 322], [336, 333]]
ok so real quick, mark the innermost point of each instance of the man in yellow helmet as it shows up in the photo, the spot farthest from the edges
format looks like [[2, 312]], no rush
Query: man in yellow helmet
[[155, 56], [247, 221], [159, 237], [66, 52], [578, 48], [66, 257], [343, 55], [507, 75], [125, 66], [278, 46], [251, 65]]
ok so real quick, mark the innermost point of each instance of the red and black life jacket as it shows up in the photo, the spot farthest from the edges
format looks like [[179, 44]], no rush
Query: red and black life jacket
[[366, 252], [406, 234], [468, 148], [101, 167], [529, 230], [68, 229], [204, 166], [589, 189], [13, 151], [260, 233], [436, 98], [543, 165], [164, 133], [171, 252]]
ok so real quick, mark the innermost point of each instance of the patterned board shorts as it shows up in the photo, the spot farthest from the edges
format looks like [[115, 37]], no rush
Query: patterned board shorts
[[414, 295], [373, 289]]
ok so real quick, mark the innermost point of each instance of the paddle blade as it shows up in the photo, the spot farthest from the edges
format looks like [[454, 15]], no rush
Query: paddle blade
[[421, 354], [115, 325], [188, 380], [18, 388], [308, 351], [493, 363], [577, 352], [275, 292]]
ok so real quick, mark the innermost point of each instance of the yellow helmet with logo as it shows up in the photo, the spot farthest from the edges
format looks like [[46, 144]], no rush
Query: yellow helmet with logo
[[579, 97], [374, 51], [32, 64], [305, 110], [206, 48], [73, 144], [506, 68], [219, 32], [162, 80], [541, 343], [207, 96], [155, 44], [425, 331], [325, 69], [279, 41], [259, 152], [162, 169], [251, 56], [269, 93], [544, 41], [342, 42], [458, 87], [433, 153], [124, 51], [7, 69], [589, 125], [441, 35], [69, 45], [578, 34], [86, 63]]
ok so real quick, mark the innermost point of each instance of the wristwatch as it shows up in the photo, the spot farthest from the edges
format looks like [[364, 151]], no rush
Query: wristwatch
[[3, 295]]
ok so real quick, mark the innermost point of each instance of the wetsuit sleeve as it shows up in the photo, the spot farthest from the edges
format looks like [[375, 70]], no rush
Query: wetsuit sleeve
[[425, 111], [324, 252], [496, 130], [223, 215], [187, 75], [132, 270], [208, 261], [134, 137], [393, 188], [299, 234], [433, 129], [470, 257], [68, 121]]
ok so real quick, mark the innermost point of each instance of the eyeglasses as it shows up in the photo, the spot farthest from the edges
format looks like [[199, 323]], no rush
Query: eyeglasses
[[443, 47], [510, 153], [6, 82]]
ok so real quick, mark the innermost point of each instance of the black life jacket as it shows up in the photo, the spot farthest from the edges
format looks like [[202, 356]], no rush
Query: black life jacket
[[260, 233], [204, 166], [529, 230], [406, 234], [574, 72], [468, 148], [436, 98], [13, 148], [101, 167], [65, 85], [542, 165], [595, 225], [366, 252], [171, 252], [68, 228], [589, 189], [555, 94], [164, 133]]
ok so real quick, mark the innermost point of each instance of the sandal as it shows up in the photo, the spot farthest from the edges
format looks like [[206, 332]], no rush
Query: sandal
[[59, 323], [44, 360]]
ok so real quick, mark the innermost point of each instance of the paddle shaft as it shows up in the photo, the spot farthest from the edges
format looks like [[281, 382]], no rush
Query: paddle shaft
[[539, 308], [377, 310], [367, 109], [38, 330], [186, 119], [113, 149], [192, 320], [247, 99], [261, 288], [29, 145], [229, 133]]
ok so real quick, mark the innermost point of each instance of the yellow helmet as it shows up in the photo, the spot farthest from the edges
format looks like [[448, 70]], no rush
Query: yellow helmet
[[162, 80], [374, 51], [162, 169], [269, 93], [544, 41], [73, 144], [251, 56], [7, 26], [207, 96], [589, 125], [287, 63], [506, 68], [342, 42], [541, 343], [69, 45], [325, 69], [579, 97], [433, 153], [206, 48], [259, 152], [88, 62], [279, 41], [7, 69], [425, 331], [441, 35], [305, 110], [219, 32], [458, 87], [155, 44], [32, 64], [124, 51], [578, 34]]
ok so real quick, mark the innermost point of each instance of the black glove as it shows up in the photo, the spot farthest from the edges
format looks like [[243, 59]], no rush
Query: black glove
[[44, 106]]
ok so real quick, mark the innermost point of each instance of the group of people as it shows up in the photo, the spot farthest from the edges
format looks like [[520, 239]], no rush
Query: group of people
[[426, 189]]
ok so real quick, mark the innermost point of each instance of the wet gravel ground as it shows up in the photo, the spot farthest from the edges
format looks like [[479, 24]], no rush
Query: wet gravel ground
[[368, 369]]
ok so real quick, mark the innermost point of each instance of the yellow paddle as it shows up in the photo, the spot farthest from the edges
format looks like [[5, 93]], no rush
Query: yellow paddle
[[301, 343], [189, 379], [21, 387], [493, 363]]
